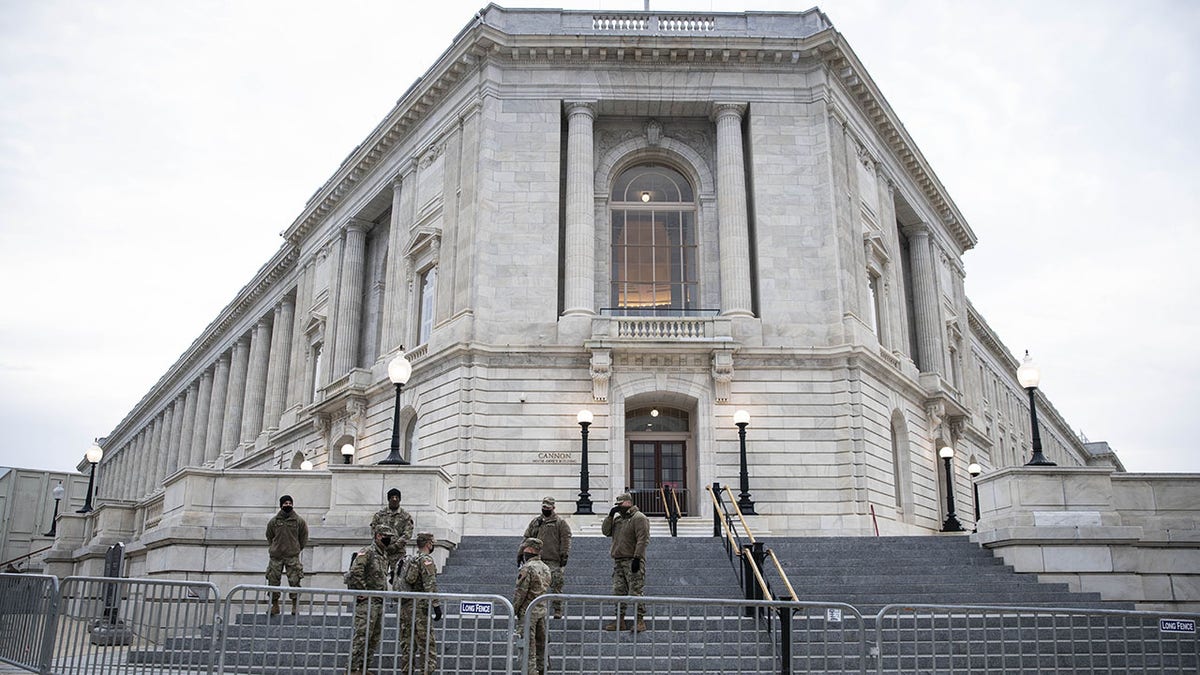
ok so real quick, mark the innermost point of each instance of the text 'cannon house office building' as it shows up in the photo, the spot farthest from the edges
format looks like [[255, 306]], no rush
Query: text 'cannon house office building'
[[658, 218]]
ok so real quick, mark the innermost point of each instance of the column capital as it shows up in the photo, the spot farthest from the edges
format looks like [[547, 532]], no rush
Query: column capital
[[580, 108], [357, 224], [722, 109], [917, 229]]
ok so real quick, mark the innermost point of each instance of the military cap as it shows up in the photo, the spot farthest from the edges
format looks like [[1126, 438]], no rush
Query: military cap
[[285, 498], [533, 543], [393, 491], [424, 538], [548, 501], [386, 530], [623, 497]]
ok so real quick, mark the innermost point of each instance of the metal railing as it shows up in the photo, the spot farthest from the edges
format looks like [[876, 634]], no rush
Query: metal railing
[[998, 639], [753, 557], [28, 608], [474, 634], [110, 625], [670, 501]]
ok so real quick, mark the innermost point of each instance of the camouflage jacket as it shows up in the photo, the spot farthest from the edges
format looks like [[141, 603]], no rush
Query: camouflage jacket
[[555, 534], [533, 579], [287, 534], [630, 534], [369, 570], [400, 520], [418, 574]]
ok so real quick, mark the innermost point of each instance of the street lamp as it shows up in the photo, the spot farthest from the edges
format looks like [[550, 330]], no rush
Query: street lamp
[[399, 370], [58, 493], [583, 505], [347, 453], [742, 418], [1029, 376], [306, 465], [951, 524], [94, 454], [974, 469]]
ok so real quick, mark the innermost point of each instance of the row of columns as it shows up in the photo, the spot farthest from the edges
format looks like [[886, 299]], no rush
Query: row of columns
[[732, 213]]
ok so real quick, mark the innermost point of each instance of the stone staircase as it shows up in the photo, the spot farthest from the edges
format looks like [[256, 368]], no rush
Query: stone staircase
[[865, 572]]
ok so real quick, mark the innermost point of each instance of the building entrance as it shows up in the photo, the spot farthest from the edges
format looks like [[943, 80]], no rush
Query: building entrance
[[658, 465]]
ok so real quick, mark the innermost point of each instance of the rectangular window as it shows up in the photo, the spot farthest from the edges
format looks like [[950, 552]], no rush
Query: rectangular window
[[873, 306], [315, 379], [425, 310]]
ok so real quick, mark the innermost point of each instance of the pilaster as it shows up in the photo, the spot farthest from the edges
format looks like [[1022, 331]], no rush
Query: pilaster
[[731, 210], [579, 283]]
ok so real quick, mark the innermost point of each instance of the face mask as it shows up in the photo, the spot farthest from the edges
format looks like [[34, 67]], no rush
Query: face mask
[[287, 508], [386, 541], [624, 510], [547, 513], [526, 557]]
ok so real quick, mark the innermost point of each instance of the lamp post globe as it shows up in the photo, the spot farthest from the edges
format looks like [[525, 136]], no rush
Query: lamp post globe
[[306, 465], [1029, 375], [347, 453], [399, 370], [946, 452], [583, 505], [741, 419], [94, 454]]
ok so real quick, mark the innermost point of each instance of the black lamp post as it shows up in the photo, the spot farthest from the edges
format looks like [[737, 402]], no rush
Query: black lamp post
[[951, 524], [58, 493], [399, 370], [583, 505], [1029, 376], [742, 419], [974, 469], [347, 453], [94, 454]]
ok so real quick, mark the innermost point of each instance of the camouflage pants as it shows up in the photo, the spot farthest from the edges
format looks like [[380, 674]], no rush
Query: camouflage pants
[[557, 580], [275, 569], [537, 644], [418, 640], [368, 622], [627, 582]]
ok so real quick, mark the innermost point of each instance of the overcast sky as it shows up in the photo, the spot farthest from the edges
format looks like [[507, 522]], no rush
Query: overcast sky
[[152, 151]]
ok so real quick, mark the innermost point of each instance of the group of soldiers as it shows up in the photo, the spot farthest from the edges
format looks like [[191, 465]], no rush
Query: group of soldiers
[[542, 558]]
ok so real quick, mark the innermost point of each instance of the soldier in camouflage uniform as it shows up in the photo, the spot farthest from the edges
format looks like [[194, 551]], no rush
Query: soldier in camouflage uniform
[[418, 574], [400, 521], [368, 572], [630, 532], [287, 534], [555, 534], [533, 579]]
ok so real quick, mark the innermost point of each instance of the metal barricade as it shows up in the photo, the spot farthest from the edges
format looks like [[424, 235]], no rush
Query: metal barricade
[[475, 634], [125, 626], [28, 607], [990, 639], [692, 635]]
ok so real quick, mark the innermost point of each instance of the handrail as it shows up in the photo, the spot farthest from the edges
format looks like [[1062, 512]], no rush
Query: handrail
[[783, 575], [737, 550], [739, 514], [762, 583], [27, 555], [675, 500]]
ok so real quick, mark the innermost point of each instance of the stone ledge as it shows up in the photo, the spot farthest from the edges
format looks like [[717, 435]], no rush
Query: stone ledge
[[1030, 535]]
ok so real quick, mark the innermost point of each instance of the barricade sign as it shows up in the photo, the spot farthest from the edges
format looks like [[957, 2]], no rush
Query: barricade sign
[[1176, 626], [474, 608]]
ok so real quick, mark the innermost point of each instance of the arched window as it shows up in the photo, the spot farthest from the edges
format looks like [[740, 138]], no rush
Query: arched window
[[653, 242], [412, 439]]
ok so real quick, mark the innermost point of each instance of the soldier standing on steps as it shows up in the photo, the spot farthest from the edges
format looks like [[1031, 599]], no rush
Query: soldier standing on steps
[[533, 579], [287, 534], [368, 572], [400, 521], [555, 534], [630, 532], [418, 574]]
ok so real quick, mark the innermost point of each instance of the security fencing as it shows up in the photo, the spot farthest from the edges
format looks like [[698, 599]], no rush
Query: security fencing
[[395, 632], [127, 626], [600, 634], [104, 625], [28, 606], [991, 639]]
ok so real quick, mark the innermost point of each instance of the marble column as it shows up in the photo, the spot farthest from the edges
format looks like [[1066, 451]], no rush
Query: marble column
[[154, 457], [925, 300], [299, 353], [162, 468], [188, 428], [236, 394], [734, 239], [177, 414], [143, 463], [349, 315], [256, 381], [216, 409], [280, 370], [579, 283], [200, 424]]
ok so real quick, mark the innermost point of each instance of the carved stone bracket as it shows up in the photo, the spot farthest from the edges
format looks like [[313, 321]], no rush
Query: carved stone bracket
[[322, 422], [601, 372], [356, 410], [722, 374]]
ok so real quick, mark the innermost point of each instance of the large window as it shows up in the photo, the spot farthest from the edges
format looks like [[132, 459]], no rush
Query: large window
[[653, 242], [425, 310]]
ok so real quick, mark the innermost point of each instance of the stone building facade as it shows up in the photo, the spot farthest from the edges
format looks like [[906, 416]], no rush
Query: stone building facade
[[659, 218]]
